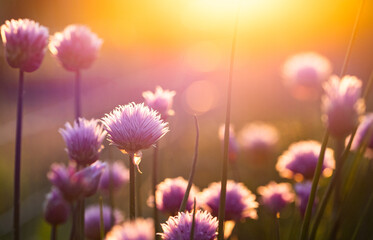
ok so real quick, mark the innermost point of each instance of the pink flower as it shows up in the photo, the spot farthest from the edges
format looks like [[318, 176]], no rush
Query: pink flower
[[342, 105], [365, 130], [83, 140], [300, 160], [139, 229], [114, 176], [304, 74], [233, 148], [240, 202], [25, 43], [76, 47], [160, 101], [303, 191], [276, 196], [56, 209]]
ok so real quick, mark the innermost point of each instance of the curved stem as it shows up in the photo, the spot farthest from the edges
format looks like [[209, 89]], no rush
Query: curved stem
[[155, 177], [221, 214], [17, 161], [132, 187], [191, 176]]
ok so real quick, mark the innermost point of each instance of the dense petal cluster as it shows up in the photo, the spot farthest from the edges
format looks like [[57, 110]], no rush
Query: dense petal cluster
[[76, 47], [300, 159], [161, 101], [170, 194], [134, 127], [25, 43], [83, 140], [233, 148], [304, 73], [56, 209], [114, 177], [74, 184], [365, 130], [342, 105], [240, 202], [276, 196], [92, 220], [303, 191], [139, 229], [179, 227]]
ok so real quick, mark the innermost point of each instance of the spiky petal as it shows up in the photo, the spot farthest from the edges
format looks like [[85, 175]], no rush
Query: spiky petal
[[161, 101]]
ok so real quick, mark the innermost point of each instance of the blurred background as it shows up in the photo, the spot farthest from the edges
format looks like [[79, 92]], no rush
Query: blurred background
[[181, 45]]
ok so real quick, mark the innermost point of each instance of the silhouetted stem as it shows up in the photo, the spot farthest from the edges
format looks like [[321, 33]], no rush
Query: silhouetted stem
[[221, 214], [17, 162], [54, 232], [193, 220], [138, 194], [78, 109], [102, 224], [132, 187], [111, 193], [155, 181], [365, 212], [277, 226], [191, 176]]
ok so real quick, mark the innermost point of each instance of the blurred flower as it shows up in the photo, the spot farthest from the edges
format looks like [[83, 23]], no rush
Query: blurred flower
[[92, 220], [240, 202], [342, 105], [259, 139], [300, 160], [83, 140], [365, 128], [275, 196], [56, 209], [76, 47], [139, 229], [303, 191], [179, 227], [170, 194], [233, 148], [74, 184], [160, 101], [134, 127], [25, 43], [114, 176], [304, 74]]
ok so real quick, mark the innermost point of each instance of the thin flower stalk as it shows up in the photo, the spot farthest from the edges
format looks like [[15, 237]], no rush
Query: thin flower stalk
[[307, 218], [191, 176], [362, 217], [154, 182], [226, 132], [132, 187], [54, 232], [78, 107], [277, 223], [102, 225], [193, 220]]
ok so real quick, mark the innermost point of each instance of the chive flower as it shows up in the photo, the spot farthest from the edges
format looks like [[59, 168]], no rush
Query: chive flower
[[161, 101], [113, 177], [303, 191], [139, 229], [365, 128], [276, 196], [56, 208]]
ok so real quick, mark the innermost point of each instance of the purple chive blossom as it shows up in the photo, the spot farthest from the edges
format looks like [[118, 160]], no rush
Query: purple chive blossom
[[56, 209], [240, 202], [114, 177], [161, 101], [342, 105], [139, 229], [25, 43], [300, 160], [258, 139], [170, 194], [365, 127], [76, 47], [233, 148], [179, 227], [304, 74], [83, 140], [276, 196], [92, 221], [74, 184], [303, 191], [134, 127]]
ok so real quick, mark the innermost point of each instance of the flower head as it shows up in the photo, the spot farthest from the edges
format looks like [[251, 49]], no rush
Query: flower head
[[74, 184], [134, 127], [365, 130], [303, 191], [233, 148], [76, 47], [275, 196], [83, 140], [170, 194], [56, 209], [240, 202], [139, 229], [25, 43], [92, 220], [300, 160], [342, 105], [179, 227], [304, 74], [114, 176], [161, 101]]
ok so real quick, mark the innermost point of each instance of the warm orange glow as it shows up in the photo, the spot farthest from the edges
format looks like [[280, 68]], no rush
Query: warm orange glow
[[200, 97]]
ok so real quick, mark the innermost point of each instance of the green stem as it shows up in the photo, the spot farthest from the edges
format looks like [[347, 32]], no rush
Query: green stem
[[365, 212], [132, 187], [192, 172], [193, 220], [155, 180], [221, 214], [277, 226]]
